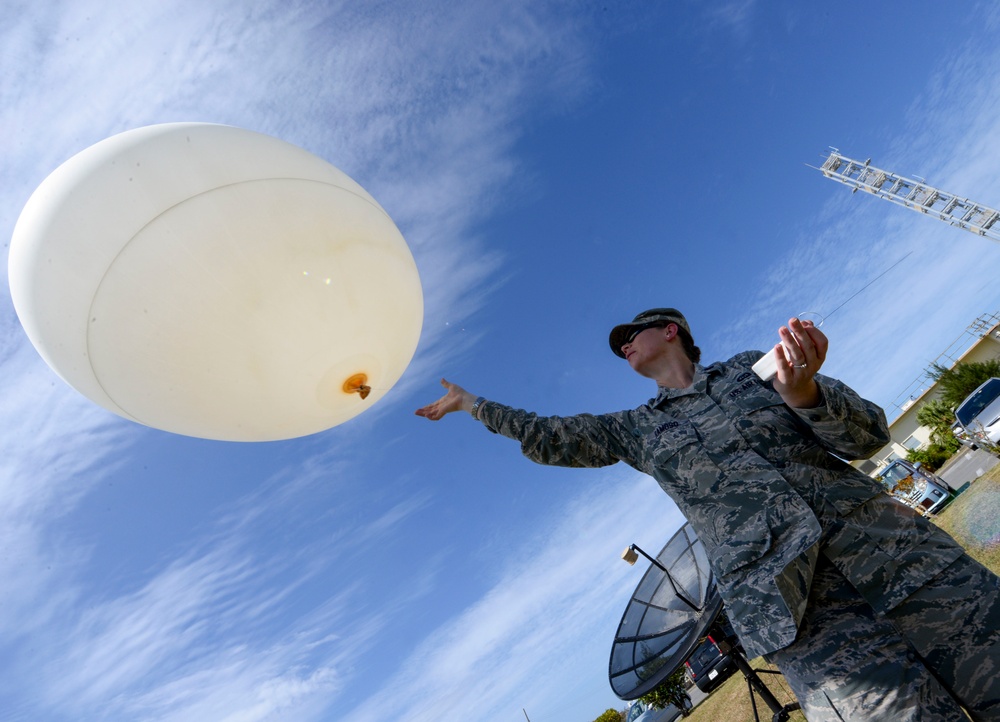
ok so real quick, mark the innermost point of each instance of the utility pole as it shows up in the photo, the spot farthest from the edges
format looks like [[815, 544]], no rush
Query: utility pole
[[914, 194]]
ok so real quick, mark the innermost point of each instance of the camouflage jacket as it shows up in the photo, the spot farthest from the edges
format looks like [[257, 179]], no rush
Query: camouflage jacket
[[764, 486]]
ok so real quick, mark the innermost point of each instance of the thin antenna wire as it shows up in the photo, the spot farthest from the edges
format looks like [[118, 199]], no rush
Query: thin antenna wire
[[868, 284]]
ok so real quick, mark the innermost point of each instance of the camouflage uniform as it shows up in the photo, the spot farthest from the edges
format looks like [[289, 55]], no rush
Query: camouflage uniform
[[760, 484]]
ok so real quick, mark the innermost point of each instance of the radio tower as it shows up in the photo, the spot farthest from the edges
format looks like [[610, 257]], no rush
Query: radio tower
[[913, 194]]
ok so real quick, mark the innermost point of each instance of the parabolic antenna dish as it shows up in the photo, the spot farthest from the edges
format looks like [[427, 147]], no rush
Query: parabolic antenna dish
[[659, 630], [215, 282]]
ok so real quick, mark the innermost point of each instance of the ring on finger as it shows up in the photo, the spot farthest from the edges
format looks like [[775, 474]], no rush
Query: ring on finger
[[801, 366]]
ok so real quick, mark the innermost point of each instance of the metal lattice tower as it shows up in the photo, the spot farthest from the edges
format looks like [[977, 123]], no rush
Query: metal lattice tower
[[913, 194]]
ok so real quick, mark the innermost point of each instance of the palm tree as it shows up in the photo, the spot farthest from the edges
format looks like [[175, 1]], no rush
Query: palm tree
[[961, 380]]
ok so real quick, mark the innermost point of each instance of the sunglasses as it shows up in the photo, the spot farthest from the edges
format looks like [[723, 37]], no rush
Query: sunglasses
[[639, 329]]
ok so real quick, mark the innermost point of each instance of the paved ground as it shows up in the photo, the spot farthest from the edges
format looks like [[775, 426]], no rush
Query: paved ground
[[697, 696], [967, 466]]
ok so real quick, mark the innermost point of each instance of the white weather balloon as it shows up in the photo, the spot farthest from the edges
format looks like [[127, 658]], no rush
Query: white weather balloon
[[215, 282]]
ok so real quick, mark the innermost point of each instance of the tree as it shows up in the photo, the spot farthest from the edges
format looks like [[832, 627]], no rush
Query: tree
[[933, 456], [962, 379], [938, 415], [671, 691], [610, 715]]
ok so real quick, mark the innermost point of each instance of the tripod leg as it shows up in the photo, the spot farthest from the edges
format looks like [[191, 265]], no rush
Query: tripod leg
[[753, 698]]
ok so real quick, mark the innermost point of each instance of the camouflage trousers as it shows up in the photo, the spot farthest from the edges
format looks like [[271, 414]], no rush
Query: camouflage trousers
[[936, 652]]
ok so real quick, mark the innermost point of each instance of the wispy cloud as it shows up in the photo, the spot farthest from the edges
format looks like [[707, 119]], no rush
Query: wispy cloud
[[246, 615], [884, 337], [432, 140], [736, 16], [220, 632], [55, 448], [560, 595], [190, 637]]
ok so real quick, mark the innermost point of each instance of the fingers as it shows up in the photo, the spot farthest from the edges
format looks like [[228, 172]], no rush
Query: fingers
[[819, 339], [451, 401], [452, 388], [804, 345], [430, 411], [435, 411], [787, 368], [799, 356]]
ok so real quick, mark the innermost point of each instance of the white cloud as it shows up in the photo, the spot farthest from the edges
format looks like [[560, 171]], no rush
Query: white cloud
[[224, 631], [885, 336], [736, 16], [560, 596], [218, 629], [55, 447], [433, 140]]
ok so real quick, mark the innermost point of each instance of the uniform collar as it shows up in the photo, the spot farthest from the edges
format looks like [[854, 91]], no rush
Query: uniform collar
[[699, 385]]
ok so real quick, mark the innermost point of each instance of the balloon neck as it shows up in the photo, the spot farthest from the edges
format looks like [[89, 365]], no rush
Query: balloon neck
[[357, 384]]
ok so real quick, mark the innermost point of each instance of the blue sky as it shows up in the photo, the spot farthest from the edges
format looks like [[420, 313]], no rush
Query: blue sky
[[556, 168]]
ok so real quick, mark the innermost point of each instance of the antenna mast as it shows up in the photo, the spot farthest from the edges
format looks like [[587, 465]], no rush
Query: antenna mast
[[913, 194]]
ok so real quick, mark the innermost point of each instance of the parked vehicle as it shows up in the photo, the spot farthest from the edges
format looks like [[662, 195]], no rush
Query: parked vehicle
[[639, 711], [963, 436], [914, 486], [979, 414], [708, 666]]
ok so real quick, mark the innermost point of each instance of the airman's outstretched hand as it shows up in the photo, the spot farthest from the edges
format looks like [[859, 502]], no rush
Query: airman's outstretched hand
[[457, 399]]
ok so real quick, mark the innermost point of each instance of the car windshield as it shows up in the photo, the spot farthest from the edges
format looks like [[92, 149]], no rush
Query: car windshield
[[635, 711], [973, 406], [895, 474]]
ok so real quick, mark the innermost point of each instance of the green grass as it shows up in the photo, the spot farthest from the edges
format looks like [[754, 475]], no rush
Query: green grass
[[731, 701], [973, 518]]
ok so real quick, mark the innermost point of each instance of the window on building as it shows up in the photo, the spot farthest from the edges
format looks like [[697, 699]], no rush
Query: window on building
[[867, 466]]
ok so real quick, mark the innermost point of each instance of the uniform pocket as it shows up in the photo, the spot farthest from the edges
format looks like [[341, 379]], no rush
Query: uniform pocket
[[672, 444], [769, 425], [739, 539], [755, 397]]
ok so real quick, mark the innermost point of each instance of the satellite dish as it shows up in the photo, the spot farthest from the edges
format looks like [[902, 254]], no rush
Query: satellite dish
[[671, 609], [215, 282], [676, 603]]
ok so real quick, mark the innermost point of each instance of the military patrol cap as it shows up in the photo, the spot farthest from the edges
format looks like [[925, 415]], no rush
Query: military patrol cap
[[646, 319]]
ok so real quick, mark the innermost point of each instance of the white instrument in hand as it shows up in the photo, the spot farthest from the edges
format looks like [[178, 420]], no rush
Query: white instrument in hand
[[767, 366]]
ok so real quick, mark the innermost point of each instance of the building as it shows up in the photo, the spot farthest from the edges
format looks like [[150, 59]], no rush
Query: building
[[981, 342]]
